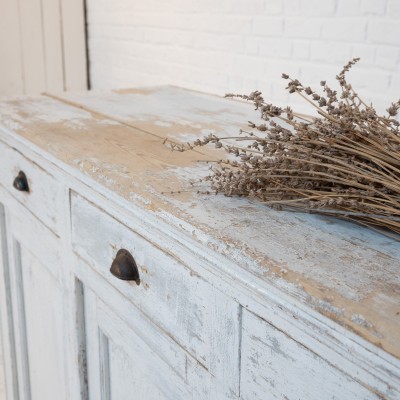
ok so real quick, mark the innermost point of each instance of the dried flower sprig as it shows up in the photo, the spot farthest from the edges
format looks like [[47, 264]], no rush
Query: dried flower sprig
[[345, 162]]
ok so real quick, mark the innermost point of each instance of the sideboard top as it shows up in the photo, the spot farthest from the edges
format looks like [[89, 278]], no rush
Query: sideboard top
[[344, 271]]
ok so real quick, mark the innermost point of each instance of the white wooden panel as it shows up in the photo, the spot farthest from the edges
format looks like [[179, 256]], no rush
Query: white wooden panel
[[274, 366], [45, 199], [11, 81], [200, 383], [199, 317], [52, 38], [32, 45], [38, 308], [74, 44], [171, 353], [121, 364], [43, 305]]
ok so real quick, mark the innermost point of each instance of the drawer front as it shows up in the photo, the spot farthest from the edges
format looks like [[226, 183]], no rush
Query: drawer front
[[45, 196], [274, 366], [201, 319]]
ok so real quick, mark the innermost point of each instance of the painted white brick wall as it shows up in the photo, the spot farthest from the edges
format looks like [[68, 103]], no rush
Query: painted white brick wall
[[221, 46]]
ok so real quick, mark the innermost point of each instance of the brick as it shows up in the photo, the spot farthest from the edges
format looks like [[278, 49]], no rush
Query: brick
[[274, 69], [249, 66], [348, 8], [313, 73], [214, 41], [252, 45], [374, 7], [393, 9], [276, 48], [301, 50], [330, 52], [292, 8], [250, 85], [268, 26], [366, 53], [235, 84], [373, 80], [384, 31], [302, 28], [349, 30], [273, 7], [393, 94], [223, 23], [253, 7], [388, 57], [318, 8]]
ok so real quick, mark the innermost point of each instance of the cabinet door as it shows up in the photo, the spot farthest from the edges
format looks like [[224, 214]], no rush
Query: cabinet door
[[275, 366], [122, 365], [35, 276]]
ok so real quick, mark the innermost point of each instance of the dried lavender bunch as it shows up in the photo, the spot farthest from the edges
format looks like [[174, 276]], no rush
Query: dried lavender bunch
[[344, 162]]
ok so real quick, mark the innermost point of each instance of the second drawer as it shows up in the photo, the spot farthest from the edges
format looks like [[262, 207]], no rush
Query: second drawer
[[196, 315]]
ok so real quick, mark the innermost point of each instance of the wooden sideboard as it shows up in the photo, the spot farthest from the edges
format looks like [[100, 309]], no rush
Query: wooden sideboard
[[235, 300]]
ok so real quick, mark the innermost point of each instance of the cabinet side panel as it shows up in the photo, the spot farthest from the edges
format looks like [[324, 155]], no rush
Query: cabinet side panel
[[8, 370]]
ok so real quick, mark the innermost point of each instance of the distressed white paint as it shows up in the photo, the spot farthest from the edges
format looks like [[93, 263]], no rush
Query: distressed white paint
[[45, 197], [323, 250], [200, 244], [275, 366], [200, 318], [37, 307], [128, 365], [122, 322]]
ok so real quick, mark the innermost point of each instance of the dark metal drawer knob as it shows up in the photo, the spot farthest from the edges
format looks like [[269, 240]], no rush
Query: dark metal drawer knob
[[21, 182], [124, 267]]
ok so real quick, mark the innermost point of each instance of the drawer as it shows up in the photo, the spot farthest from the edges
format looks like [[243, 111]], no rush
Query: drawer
[[193, 313], [275, 366], [45, 196]]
